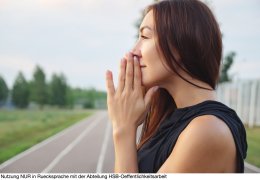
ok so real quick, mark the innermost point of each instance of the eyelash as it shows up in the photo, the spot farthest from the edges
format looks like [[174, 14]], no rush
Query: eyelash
[[144, 37]]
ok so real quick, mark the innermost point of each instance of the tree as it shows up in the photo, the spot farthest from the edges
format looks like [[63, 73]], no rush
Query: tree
[[3, 90], [69, 97], [58, 90], [89, 98], [20, 92], [39, 87], [227, 63]]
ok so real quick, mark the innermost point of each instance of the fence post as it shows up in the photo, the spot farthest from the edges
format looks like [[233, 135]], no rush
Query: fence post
[[220, 92], [252, 105], [246, 100], [239, 99], [257, 123], [227, 94]]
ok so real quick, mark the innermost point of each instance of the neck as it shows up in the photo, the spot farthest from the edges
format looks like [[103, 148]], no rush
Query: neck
[[186, 94]]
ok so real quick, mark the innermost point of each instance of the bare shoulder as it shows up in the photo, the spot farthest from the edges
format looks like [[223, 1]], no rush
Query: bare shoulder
[[205, 145], [208, 128], [212, 139]]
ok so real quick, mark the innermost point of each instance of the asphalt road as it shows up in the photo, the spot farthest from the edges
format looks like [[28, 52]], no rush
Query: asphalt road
[[86, 147], [82, 148]]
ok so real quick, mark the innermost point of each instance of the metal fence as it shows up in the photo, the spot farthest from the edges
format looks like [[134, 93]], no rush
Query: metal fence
[[244, 98]]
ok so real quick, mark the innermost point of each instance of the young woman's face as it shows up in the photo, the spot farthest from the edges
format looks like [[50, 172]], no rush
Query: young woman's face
[[154, 72]]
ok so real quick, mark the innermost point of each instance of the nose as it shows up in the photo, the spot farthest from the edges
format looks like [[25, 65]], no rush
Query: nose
[[136, 51]]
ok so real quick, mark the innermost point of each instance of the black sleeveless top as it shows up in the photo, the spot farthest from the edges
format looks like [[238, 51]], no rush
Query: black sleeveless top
[[157, 149]]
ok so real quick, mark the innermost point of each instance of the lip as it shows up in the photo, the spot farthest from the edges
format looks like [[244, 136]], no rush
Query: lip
[[142, 66]]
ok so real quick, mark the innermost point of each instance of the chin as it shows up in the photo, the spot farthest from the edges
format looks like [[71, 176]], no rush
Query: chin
[[148, 84]]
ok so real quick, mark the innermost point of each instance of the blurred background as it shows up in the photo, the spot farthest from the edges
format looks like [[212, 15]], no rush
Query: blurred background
[[54, 55]]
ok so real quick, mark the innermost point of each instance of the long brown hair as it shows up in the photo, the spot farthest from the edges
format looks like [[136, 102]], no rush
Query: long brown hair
[[190, 28]]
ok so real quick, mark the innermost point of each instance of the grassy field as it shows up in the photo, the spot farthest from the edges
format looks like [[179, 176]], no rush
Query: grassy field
[[253, 140], [21, 129]]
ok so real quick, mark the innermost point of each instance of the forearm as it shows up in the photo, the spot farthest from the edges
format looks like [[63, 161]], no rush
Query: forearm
[[125, 151], [126, 104]]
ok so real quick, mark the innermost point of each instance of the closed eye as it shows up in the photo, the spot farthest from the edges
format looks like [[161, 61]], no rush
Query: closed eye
[[144, 37]]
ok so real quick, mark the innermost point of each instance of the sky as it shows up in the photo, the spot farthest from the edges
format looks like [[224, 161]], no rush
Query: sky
[[84, 38]]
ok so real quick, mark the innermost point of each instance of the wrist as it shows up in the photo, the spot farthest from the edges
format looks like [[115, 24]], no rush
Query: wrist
[[124, 133]]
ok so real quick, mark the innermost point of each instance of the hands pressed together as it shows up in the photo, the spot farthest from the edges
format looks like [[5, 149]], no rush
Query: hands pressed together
[[127, 103]]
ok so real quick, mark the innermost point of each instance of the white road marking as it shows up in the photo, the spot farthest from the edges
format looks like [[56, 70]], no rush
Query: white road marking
[[252, 168], [71, 145], [41, 144], [103, 148]]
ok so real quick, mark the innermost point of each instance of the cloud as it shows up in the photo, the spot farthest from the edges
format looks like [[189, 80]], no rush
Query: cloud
[[11, 65], [55, 32], [246, 69], [83, 38], [239, 22]]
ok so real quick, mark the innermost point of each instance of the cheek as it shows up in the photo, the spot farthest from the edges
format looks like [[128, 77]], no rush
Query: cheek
[[154, 75], [148, 50]]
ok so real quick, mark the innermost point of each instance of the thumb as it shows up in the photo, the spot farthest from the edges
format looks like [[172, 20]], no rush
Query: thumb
[[149, 95]]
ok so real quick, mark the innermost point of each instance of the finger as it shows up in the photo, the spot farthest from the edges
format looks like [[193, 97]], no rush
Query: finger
[[110, 84], [121, 77], [149, 95], [129, 73], [137, 73]]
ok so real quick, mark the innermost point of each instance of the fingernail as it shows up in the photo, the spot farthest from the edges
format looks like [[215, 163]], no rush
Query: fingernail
[[135, 58], [130, 56], [123, 61]]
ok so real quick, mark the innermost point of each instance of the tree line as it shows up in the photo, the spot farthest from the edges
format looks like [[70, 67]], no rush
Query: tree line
[[56, 92]]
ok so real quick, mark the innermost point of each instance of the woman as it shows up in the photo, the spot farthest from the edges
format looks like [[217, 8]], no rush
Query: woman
[[167, 82]]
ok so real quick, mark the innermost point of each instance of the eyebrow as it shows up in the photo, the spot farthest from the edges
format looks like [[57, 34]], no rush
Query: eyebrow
[[142, 28]]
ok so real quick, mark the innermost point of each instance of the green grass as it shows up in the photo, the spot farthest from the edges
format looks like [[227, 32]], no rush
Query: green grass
[[253, 140], [21, 129]]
